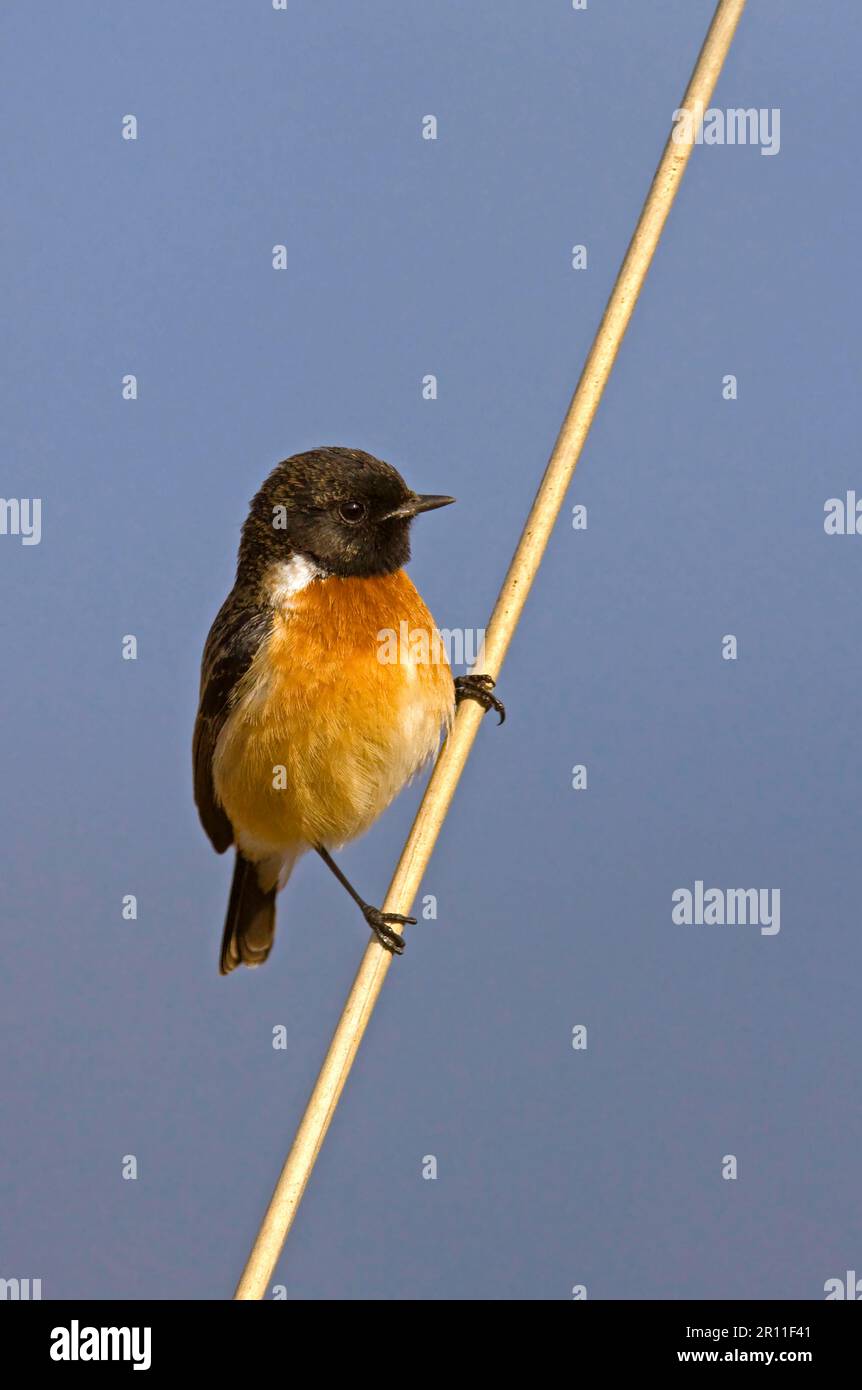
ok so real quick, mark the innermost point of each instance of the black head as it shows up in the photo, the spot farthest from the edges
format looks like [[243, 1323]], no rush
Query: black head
[[349, 512]]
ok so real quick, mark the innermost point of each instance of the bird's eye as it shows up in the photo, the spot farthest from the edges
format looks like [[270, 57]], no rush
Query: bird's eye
[[351, 511]]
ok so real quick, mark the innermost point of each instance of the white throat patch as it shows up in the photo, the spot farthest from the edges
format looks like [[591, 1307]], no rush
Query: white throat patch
[[292, 577]]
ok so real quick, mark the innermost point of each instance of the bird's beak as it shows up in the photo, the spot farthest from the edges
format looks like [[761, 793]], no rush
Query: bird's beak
[[417, 503]]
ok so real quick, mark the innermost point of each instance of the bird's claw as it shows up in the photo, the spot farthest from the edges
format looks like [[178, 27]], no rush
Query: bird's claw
[[479, 688], [380, 924]]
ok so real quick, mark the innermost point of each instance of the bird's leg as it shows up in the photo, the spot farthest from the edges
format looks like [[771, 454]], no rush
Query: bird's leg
[[479, 688], [381, 923]]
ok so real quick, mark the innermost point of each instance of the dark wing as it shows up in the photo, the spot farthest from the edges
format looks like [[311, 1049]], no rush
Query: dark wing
[[234, 638]]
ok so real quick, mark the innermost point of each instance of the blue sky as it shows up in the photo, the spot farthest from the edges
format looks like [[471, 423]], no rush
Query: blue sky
[[599, 1167]]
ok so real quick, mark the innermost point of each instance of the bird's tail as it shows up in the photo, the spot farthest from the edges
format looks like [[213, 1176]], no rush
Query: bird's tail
[[249, 928]]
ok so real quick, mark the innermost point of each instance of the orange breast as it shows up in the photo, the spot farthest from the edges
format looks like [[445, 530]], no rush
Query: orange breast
[[341, 707]]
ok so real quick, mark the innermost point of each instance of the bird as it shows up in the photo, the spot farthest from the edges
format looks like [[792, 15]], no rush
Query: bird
[[306, 728]]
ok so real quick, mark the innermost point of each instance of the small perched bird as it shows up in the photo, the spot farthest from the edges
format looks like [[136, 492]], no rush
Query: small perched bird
[[305, 731]]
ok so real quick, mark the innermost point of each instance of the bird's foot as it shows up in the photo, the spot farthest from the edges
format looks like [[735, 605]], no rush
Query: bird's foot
[[479, 688], [381, 923]]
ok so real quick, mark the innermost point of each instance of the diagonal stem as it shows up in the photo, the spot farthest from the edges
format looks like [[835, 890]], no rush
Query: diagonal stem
[[522, 571]]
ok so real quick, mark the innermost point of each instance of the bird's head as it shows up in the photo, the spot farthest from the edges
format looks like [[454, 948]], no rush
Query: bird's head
[[345, 511]]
